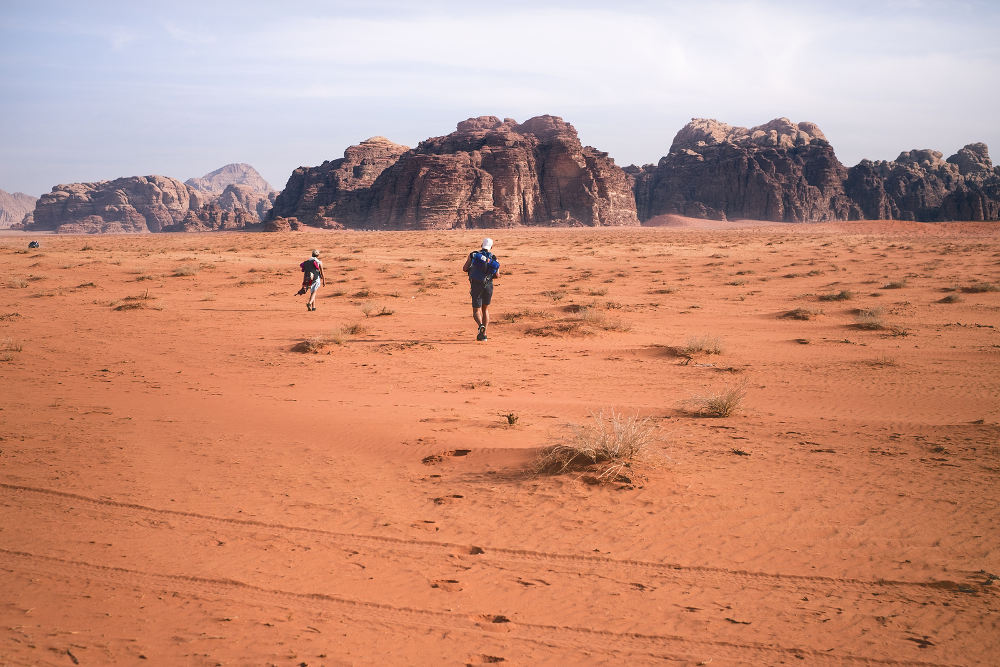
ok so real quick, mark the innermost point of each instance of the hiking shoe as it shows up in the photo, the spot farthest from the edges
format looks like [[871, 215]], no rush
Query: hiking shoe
[[482, 333]]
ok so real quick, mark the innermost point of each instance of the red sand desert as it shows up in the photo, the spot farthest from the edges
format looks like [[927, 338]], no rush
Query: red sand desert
[[194, 469]]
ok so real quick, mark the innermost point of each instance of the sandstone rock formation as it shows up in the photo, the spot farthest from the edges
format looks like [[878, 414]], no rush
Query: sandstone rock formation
[[919, 185], [788, 172], [488, 173], [777, 171], [336, 192], [14, 206], [138, 204]]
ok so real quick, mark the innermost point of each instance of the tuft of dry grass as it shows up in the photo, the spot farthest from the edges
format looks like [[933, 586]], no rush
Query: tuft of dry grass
[[897, 284], [187, 270], [869, 318], [799, 314], [723, 403], [978, 288], [842, 295], [704, 344], [353, 329], [370, 309], [951, 298], [608, 446]]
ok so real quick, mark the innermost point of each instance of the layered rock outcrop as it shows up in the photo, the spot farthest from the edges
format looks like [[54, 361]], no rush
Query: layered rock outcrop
[[337, 192], [488, 173], [138, 204], [14, 206], [789, 173], [920, 185], [777, 171]]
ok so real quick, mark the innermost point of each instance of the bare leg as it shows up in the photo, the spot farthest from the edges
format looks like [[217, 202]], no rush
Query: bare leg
[[486, 316], [477, 316]]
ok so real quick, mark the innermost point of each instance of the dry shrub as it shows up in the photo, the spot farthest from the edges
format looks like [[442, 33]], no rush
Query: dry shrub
[[869, 318], [512, 317], [185, 271], [353, 329], [370, 309], [608, 447], [951, 298], [723, 403], [310, 345], [898, 284], [705, 344], [799, 314], [978, 288], [842, 295], [9, 345]]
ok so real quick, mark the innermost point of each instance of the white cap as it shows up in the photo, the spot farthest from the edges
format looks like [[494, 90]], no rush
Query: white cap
[[487, 243]]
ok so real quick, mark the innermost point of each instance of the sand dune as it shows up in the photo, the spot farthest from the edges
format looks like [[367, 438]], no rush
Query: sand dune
[[177, 484]]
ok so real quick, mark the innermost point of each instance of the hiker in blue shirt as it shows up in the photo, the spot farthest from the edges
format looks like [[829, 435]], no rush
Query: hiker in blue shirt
[[483, 268]]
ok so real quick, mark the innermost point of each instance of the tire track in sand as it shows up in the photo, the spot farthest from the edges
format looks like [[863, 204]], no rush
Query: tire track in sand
[[368, 611]]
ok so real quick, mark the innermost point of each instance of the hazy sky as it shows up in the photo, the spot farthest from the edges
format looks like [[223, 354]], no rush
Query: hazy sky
[[96, 90]]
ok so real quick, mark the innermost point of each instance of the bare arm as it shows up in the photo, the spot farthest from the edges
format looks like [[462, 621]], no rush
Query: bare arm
[[468, 263]]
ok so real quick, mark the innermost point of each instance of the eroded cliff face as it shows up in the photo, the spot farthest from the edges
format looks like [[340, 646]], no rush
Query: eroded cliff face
[[920, 185], [139, 204], [777, 171], [788, 172], [336, 192], [488, 173]]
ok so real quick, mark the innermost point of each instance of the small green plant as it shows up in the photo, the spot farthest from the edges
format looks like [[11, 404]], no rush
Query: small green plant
[[608, 446], [510, 417]]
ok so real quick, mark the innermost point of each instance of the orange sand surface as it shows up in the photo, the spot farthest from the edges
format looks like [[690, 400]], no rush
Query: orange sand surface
[[178, 485]]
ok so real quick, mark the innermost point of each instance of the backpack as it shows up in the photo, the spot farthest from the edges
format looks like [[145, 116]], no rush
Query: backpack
[[484, 266], [310, 269]]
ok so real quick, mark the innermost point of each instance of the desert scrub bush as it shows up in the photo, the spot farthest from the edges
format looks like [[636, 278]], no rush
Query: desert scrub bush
[[312, 345], [842, 295], [17, 283], [353, 329], [524, 313], [608, 446], [869, 318], [187, 270], [702, 344], [370, 309], [978, 288], [598, 320], [896, 284], [799, 314], [951, 298], [722, 403]]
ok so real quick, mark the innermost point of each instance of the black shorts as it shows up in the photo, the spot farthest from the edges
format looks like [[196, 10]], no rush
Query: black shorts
[[482, 293]]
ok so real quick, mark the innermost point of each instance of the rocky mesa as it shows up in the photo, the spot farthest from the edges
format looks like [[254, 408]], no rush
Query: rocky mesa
[[788, 172], [488, 173], [155, 204]]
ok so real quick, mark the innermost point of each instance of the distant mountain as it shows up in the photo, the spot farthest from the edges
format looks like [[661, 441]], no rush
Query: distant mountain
[[232, 174], [233, 197], [13, 208]]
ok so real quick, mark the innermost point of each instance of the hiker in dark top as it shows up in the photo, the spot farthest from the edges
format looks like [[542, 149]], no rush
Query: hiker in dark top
[[312, 278], [483, 268]]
